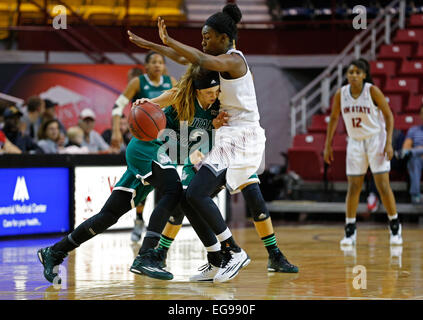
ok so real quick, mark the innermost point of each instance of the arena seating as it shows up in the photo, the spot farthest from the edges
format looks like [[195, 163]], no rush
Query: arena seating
[[398, 72], [100, 12]]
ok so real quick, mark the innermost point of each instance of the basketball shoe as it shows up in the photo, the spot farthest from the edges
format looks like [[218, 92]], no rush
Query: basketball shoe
[[207, 273], [233, 260], [350, 235], [50, 259], [395, 231], [372, 202], [278, 263], [149, 263], [138, 230]]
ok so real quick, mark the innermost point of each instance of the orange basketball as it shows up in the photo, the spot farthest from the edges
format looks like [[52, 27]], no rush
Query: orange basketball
[[146, 120]]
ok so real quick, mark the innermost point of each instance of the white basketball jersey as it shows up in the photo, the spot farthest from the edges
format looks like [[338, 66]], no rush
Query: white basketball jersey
[[238, 98], [361, 116]]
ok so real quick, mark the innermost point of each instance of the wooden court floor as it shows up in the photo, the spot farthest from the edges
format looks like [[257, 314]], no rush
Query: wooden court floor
[[99, 269]]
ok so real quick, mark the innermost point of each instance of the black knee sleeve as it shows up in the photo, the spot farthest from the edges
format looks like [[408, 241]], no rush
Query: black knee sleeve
[[255, 202]]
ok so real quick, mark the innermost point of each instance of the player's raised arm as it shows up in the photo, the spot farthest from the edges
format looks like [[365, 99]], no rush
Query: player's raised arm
[[164, 50], [333, 123], [222, 63]]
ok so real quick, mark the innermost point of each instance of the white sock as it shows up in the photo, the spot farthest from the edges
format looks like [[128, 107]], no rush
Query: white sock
[[393, 217], [224, 235], [214, 248], [349, 220]]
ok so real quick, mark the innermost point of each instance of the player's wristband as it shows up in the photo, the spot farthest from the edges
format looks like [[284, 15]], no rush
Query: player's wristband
[[120, 104]]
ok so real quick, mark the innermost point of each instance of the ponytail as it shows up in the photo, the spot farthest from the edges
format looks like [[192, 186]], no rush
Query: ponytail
[[185, 95]]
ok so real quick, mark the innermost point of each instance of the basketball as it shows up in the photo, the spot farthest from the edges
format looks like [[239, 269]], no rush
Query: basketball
[[146, 120]]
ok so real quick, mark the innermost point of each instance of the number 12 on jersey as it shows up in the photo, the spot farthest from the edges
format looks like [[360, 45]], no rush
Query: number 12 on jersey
[[356, 122]]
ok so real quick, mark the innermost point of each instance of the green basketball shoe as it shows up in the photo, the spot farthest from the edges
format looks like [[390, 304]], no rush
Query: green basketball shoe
[[278, 263], [150, 264], [50, 259]]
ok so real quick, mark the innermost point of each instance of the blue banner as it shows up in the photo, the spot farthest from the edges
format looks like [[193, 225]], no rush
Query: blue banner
[[34, 201]]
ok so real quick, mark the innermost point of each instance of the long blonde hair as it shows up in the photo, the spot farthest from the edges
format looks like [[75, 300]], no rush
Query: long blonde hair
[[185, 94]]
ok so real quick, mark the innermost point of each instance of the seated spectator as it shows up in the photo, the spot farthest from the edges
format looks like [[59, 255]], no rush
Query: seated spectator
[[11, 129], [32, 116], [6, 146], [50, 114], [124, 129], [49, 137], [413, 150], [75, 137], [92, 139]]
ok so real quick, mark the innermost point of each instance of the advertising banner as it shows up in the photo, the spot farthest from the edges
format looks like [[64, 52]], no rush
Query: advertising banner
[[34, 201]]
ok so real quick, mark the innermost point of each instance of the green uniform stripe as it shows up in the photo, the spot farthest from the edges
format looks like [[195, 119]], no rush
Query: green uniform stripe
[[270, 241], [164, 242]]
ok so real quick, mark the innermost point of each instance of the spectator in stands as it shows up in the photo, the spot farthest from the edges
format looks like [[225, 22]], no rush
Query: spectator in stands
[[50, 114], [413, 150], [25, 143], [49, 136], [6, 146], [124, 129], [75, 137], [92, 139], [33, 116]]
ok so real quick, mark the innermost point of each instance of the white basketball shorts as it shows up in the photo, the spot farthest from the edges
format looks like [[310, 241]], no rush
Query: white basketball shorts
[[370, 151]]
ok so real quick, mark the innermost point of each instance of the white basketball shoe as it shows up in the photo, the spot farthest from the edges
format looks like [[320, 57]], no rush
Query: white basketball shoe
[[233, 262], [207, 273]]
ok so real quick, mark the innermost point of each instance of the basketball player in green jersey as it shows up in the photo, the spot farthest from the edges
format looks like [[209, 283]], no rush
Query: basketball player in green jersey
[[148, 167], [149, 85]]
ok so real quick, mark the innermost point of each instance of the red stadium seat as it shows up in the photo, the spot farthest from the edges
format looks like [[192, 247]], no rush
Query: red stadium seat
[[406, 121], [379, 81], [336, 170], [394, 51], [320, 122], [409, 36], [403, 85], [412, 68], [383, 70], [305, 156], [414, 104], [395, 101], [316, 141], [416, 20], [307, 162]]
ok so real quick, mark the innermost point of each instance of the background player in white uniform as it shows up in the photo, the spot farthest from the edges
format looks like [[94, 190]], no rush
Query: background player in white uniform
[[370, 123]]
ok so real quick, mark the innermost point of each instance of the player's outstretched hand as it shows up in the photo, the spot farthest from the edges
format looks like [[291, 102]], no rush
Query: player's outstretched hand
[[162, 31], [221, 120], [328, 154], [140, 42]]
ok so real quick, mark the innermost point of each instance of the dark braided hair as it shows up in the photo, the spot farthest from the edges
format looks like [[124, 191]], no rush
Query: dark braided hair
[[226, 21]]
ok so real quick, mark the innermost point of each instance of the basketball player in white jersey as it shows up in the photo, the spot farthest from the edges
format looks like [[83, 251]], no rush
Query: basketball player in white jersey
[[370, 123], [238, 148]]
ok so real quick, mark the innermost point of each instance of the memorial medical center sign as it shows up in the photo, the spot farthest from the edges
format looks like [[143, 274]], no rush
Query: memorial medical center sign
[[34, 201]]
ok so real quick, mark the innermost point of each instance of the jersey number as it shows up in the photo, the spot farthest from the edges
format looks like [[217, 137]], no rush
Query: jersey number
[[356, 122]]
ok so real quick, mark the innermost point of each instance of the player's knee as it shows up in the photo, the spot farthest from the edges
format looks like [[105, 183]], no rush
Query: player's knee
[[354, 187], [384, 189]]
